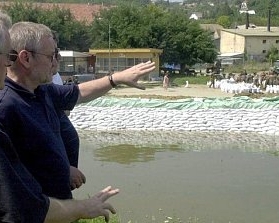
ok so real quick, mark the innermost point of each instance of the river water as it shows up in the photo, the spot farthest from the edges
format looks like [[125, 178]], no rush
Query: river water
[[189, 177]]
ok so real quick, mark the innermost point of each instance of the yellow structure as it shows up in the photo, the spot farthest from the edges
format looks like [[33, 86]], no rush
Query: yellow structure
[[253, 42], [111, 60]]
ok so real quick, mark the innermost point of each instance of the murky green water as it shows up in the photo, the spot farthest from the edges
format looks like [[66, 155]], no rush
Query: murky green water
[[209, 177]]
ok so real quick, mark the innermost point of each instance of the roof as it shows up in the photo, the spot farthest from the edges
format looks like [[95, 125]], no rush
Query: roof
[[230, 55], [70, 53], [259, 31], [81, 12], [128, 50]]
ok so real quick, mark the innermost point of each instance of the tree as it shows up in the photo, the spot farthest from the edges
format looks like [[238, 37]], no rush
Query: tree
[[224, 21], [73, 34], [183, 41], [272, 54]]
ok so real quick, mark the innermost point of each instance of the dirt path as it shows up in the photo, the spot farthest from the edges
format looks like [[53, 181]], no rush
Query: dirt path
[[199, 91]]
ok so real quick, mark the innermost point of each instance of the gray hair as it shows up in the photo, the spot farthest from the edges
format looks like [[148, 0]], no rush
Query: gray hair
[[5, 23], [28, 35], [3, 31], [5, 20]]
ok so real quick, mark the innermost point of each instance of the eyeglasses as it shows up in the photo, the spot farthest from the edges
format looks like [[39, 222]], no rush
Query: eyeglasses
[[55, 55], [11, 57]]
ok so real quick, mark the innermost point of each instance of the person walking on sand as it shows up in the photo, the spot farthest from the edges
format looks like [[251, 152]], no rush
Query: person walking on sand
[[212, 80], [166, 81]]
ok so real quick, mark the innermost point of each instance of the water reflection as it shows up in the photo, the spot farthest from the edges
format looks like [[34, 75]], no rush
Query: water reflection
[[216, 177], [127, 147], [127, 153]]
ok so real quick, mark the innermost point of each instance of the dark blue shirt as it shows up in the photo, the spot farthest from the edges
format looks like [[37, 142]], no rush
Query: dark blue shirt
[[33, 125], [70, 138], [21, 199]]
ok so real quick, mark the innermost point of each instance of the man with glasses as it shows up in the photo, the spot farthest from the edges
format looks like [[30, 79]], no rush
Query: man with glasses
[[21, 198], [28, 105]]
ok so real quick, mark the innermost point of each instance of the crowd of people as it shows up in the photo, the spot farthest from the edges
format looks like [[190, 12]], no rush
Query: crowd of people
[[251, 82], [38, 160]]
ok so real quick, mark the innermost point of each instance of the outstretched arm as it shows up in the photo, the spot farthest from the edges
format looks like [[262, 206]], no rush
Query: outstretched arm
[[65, 211], [96, 88]]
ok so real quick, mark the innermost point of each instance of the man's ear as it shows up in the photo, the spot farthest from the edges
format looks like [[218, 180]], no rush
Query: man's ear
[[23, 57]]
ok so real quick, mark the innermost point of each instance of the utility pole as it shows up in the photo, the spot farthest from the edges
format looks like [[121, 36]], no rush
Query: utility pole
[[109, 50], [269, 17], [244, 9]]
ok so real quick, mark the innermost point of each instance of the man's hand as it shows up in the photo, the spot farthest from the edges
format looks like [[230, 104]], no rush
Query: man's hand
[[91, 90], [131, 75], [77, 178], [65, 211], [97, 206]]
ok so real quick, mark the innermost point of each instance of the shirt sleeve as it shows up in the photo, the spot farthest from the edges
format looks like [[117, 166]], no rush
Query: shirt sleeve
[[64, 97], [21, 198]]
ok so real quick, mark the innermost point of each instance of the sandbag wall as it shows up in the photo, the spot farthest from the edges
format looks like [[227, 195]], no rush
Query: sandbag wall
[[231, 115]]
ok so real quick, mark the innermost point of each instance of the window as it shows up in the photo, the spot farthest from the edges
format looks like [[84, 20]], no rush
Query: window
[[264, 41], [131, 62], [66, 65], [121, 63], [113, 64], [117, 64], [277, 41], [264, 51], [81, 65]]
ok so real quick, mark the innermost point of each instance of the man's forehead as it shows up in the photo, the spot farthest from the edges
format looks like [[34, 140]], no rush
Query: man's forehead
[[48, 42]]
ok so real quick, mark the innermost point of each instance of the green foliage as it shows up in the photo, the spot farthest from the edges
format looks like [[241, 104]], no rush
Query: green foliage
[[221, 9], [250, 67], [272, 54], [106, 2], [137, 24], [224, 21], [73, 34], [179, 80], [231, 8], [113, 219], [183, 41], [21, 11]]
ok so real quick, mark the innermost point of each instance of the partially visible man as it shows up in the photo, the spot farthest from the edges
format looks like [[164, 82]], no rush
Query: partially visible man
[[21, 198], [28, 105], [67, 130], [57, 79]]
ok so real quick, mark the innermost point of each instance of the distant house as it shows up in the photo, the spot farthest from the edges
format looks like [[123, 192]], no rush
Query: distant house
[[253, 43], [196, 15], [75, 63], [111, 60]]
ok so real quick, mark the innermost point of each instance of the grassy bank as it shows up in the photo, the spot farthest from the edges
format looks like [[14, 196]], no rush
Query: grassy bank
[[99, 220], [114, 220], [180, 80]]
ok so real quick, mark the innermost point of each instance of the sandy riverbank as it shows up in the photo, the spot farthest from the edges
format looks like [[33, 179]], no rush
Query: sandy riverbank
[[199, 91]]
